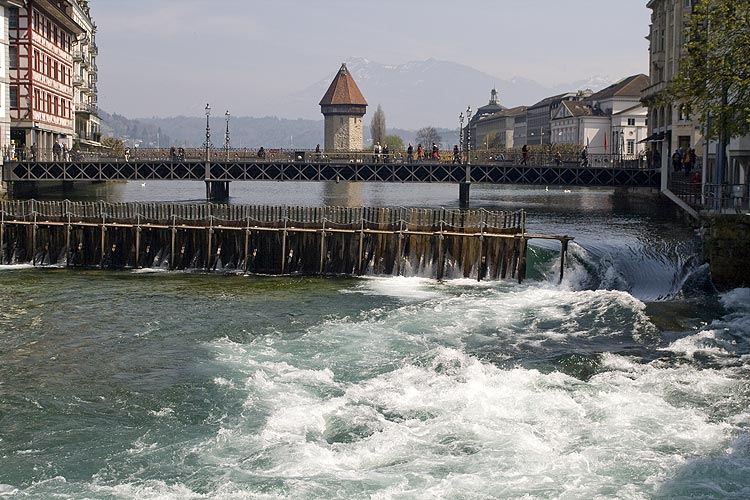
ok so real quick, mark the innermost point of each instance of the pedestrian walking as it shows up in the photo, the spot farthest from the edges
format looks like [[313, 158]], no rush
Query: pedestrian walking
[[525, 154]]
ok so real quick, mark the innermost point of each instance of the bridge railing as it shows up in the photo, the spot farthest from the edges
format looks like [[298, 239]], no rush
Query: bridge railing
[[501, 157], [207, 214]]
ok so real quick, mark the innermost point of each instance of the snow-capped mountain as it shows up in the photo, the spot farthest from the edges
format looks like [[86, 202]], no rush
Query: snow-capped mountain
[[431, 92]]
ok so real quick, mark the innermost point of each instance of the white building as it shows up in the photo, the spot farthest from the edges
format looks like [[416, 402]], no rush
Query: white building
[[610, 122], [4, 74], [85, 77]]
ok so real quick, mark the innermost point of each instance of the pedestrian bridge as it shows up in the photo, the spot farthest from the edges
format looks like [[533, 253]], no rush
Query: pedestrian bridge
[[218, 174]]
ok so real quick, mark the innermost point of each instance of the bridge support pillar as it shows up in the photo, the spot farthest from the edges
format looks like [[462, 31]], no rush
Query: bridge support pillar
[[463, 194], [217, 190]]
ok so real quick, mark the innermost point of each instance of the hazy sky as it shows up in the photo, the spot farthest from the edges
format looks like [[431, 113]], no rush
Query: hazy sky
[[170, 57]]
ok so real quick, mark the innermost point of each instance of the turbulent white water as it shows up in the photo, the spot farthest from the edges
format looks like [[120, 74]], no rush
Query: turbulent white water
[[629, 380], [406, 401]]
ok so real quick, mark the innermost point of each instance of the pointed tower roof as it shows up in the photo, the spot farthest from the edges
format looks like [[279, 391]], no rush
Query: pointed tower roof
[[343, 91]]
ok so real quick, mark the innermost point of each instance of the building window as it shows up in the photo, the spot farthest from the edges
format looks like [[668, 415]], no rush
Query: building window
[[13, 97], [13, 18], [13, 57], [631, 122], [631, 146]]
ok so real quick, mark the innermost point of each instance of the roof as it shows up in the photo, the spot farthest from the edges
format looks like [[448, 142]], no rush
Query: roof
[[547, 101], [627, 87], [343, 90]]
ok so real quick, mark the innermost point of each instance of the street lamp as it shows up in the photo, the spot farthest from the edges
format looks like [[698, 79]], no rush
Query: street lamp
[[208, 134], [468, 143], [622, 144], [461, 133], [226, 135]]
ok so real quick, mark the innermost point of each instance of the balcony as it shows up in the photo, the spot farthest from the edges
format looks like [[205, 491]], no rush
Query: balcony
[[78, 81], [653, 90], [93, 49], [86, 108], [78, 56]]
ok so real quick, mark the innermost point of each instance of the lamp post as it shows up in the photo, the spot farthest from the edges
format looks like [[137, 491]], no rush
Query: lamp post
[[208, 134], [468, 142], [622, 145], [226, 136], [463, 187], [461, 133]]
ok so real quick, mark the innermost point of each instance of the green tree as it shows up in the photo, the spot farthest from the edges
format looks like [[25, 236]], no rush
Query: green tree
[[395, 143], [714, 75], [377, 126]]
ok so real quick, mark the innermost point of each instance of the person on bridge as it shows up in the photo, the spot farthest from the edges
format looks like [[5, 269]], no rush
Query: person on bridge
[[420, 152], [525, 154], [56, 150], [677, 160], [585, 156], [317, 152], [385, 153], [456, 154], [558, 159], [261, 153], [410, 154], [435, 152]]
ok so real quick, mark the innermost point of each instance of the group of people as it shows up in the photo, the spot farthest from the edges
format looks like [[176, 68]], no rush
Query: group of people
[[60, 152], [380, 153], [683, 160], [176, 154]]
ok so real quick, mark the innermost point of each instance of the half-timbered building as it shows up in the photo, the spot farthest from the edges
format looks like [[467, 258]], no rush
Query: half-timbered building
[[41, 36]]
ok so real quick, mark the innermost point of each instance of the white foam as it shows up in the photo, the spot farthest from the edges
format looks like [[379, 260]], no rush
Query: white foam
[[737, 300], [529, 431], [16, 267]]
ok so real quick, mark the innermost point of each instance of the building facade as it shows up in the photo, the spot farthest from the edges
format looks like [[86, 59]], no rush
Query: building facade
[[609, 122], [5, 7], [497, 131], [539, 115], [41, 35], [670, 126], [343, 107], [85, 77]]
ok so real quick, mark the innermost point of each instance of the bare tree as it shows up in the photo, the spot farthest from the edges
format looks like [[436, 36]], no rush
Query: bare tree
[[377, 126], [428, 135]]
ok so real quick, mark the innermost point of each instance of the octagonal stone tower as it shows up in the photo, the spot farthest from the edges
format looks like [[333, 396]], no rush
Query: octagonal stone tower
[[343, 107]]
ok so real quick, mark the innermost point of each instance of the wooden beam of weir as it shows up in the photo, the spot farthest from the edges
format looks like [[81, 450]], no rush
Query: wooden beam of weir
[[563, 251], [137, 247]]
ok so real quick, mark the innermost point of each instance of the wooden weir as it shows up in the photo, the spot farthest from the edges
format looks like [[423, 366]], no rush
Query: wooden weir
[[269, 239]]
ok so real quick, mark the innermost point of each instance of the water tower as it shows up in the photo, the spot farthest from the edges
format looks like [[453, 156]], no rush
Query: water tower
[[343, 107]]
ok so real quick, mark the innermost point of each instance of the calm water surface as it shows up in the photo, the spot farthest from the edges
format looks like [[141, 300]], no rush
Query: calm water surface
[[627, 381]]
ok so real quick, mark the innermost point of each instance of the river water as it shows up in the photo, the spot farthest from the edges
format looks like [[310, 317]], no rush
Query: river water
[[629, 380]]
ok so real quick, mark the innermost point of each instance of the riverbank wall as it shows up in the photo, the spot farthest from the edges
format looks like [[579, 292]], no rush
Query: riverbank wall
[[727, 249]]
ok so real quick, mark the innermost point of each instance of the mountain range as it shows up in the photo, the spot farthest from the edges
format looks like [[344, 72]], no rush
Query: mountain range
[[431, 92], [412, 95]]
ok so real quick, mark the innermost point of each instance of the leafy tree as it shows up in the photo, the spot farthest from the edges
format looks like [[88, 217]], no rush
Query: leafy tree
[[395, 143], [714, 75], [377, 126], [428, 135], [115, 145]]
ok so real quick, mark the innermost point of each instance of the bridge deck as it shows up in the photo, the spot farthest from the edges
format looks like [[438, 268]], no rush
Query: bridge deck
[[287, 170]]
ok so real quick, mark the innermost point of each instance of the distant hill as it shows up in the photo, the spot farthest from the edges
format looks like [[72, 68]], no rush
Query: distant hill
[[413, 95], [244, 132]]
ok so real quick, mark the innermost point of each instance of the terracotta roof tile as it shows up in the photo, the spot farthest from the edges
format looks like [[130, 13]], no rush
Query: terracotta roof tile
[[343, 90]]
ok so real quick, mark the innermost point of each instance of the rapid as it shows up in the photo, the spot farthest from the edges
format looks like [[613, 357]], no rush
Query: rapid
[[628, 380]]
